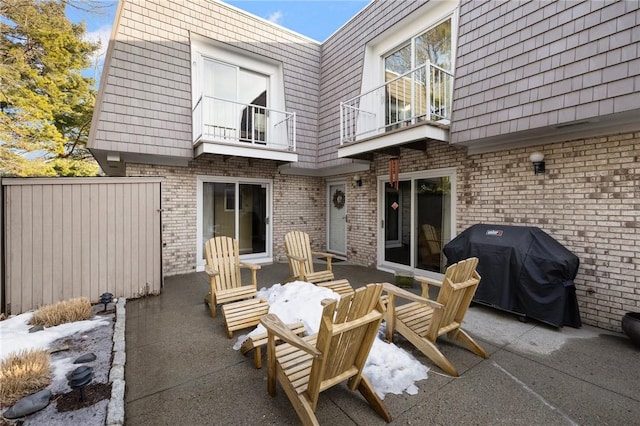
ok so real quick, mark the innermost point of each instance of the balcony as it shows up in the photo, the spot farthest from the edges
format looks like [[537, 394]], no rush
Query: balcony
[[245, 130], [408, 108]]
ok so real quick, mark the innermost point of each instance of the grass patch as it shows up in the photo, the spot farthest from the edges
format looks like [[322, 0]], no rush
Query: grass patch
[[63, 312], [23, 373]]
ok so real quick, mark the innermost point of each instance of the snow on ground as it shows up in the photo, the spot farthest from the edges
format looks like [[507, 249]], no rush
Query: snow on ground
[[389, 368], [15, 336], [94, 335]]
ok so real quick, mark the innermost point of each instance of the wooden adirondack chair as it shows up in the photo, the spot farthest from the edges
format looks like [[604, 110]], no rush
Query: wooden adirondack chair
[[300, 256], [223, 267], [422, 320], [309, 365]]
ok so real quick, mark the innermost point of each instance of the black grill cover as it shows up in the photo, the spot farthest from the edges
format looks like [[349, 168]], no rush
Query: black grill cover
[[523, 270]]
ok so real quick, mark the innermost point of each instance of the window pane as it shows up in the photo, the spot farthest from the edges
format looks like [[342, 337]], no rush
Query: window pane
[[435, 46], [220, 80], [397, 224], [398, 63], [398, 92], [218, 211], [253, 88], [433, 222], [253, 120], [252, 215]]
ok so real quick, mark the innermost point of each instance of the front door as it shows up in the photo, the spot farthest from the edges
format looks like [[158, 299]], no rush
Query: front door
[[337, 226]]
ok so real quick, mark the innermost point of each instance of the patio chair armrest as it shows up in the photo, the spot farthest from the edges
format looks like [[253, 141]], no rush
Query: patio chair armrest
[[323, 254], [400, 292], [327, 256], [426, 282], [249, 265], [429, 281], [296, 258], [254, 271], [275, 326], [210, 271]]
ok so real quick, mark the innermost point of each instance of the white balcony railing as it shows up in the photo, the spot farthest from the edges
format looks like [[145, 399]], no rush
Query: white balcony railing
[[218, 120], [422, 94]]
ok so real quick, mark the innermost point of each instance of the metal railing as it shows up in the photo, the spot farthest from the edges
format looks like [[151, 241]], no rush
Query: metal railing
[[221, 120], [423, 93]]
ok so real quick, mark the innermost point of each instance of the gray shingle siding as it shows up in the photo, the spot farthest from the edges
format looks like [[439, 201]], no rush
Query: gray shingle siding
[[527, 65], [146, 101], [342, 68]]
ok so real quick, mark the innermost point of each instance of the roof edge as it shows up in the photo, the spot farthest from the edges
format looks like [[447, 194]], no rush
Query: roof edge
[[273, 24]]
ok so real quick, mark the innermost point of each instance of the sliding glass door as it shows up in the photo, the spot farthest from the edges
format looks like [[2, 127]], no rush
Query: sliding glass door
[[417, 219], [235, 209]]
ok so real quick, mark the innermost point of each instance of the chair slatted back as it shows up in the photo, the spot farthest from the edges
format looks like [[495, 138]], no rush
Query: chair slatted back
[[296, 243], [223, 256], [347, 331], [458, 288]]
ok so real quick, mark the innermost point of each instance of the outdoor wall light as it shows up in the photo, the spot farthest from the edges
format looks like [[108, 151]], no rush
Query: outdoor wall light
[[357, 180], [537, 158], [113, 157]]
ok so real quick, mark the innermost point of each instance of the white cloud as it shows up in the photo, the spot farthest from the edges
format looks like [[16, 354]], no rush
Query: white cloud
[[275, 17], [102, 35]]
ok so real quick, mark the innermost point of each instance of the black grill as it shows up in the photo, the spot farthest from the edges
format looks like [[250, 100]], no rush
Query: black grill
[[523, 270]]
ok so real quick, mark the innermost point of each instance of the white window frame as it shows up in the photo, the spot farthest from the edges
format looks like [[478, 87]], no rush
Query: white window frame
[[426, 17], [411, 42], [267, 257], [202, 47]]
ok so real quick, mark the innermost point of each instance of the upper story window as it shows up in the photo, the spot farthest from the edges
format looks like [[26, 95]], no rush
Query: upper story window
[[407, 75], [418, 78], [433, 45], [238, 99]]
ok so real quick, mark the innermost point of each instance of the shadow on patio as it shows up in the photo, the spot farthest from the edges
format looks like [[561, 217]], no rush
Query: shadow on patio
[[181, 369]]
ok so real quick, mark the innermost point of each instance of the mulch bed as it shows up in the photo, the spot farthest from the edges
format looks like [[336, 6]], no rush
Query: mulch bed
[[93, 392], [70, 401]]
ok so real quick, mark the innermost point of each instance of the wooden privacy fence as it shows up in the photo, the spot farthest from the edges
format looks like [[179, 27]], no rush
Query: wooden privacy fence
[[79, 237]]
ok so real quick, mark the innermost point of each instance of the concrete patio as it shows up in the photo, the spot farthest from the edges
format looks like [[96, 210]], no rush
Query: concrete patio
[[181, 369]]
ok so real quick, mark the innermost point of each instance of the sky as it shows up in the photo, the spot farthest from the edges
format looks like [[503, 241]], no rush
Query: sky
[[316, 19]]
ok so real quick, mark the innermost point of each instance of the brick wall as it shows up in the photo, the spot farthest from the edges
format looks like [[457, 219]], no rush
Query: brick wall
[[298, 203], [588, 199]]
